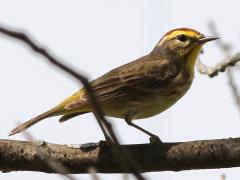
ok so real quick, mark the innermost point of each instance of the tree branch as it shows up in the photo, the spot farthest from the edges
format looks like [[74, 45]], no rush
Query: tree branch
[[207, 154], [220, 67]]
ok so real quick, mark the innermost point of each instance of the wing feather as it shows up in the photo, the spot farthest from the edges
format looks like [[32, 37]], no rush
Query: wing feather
[[143, 75]]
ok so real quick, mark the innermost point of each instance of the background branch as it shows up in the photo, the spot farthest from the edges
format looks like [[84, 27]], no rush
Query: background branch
[[208, 154], [220, 67], [125, 159], [226, 48], [231, 60]]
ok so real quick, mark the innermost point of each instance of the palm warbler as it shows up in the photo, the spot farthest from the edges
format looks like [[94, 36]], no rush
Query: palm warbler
[[142, 88]]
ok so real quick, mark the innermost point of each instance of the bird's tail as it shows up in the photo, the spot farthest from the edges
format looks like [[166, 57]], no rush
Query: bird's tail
[[53, 112]]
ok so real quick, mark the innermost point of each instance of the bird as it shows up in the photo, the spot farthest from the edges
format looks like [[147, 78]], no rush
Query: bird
[[140, 89]]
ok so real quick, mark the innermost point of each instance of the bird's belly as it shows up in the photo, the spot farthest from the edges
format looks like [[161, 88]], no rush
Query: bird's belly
[[157, 106], [165, 99], [161, 102], [146, 106]]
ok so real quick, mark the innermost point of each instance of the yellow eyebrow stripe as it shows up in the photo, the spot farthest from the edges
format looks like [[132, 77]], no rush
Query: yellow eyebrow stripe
[[185, 31]]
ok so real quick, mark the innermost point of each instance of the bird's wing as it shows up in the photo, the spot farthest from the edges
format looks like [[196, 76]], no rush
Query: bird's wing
[[143, 75]]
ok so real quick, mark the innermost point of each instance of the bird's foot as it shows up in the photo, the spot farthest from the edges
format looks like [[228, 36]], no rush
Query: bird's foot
[[89, 146], [84, 147]]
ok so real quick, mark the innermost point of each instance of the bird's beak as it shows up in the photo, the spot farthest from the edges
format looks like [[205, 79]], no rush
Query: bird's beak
[[205, 39]]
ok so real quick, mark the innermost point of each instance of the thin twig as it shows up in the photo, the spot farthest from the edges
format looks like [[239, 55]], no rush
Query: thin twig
[[220, 67], [234, 87], [26, 39], [226, 47], [124, 158]]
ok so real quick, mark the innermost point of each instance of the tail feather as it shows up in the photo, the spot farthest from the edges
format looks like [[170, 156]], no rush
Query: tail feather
[[35, 120]]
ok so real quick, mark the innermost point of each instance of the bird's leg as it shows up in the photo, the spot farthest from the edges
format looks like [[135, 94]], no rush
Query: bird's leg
[[153, 138]]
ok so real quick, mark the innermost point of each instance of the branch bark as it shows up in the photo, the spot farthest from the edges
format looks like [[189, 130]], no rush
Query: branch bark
[[204, 154]]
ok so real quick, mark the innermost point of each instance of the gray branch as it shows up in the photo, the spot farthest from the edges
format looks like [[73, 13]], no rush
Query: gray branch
[[220, 67], [207, 154]]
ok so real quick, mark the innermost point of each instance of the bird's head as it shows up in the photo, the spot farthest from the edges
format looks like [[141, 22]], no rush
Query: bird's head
[[183, 44]]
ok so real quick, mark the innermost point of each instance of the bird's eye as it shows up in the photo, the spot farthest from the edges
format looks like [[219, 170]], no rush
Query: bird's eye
[[182, 37]]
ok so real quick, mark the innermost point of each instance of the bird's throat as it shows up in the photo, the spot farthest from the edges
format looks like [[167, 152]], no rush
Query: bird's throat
[[191, 59]]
